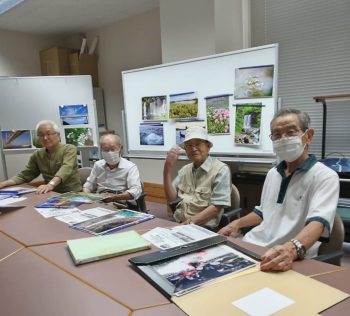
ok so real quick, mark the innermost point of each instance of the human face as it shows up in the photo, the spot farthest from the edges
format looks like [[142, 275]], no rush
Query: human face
[[109, 144], [289, 126], [197, 151], [48, 137]]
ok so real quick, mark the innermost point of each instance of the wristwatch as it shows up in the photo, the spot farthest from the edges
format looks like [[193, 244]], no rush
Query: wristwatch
[[301, 251], [52, 183]]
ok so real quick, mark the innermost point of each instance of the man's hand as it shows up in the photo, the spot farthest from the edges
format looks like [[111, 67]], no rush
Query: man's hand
[[278, 258], [172, 157], [44, 188], [230, 230]]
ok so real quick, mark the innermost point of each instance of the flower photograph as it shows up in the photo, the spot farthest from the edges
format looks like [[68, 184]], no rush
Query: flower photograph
[[218, 115], [254, 82], [154, 108], [183, 105], [248, 123], [79, 136]]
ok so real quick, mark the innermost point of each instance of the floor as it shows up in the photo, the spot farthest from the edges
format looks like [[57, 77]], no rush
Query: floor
[[160, 211]]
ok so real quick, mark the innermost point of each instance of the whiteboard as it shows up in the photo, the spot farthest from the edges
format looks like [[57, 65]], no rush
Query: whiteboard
[[207, 76], [27, 100]]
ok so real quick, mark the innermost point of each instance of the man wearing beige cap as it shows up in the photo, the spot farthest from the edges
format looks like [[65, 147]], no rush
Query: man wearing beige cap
[[203, 186]]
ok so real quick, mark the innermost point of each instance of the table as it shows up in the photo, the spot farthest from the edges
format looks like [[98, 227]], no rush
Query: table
[[31, 286], [8, 246], [37, 267]]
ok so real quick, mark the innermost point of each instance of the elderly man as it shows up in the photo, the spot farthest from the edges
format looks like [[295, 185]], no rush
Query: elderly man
[[299, 198], [113, 173], [203, 186], [55, 161]]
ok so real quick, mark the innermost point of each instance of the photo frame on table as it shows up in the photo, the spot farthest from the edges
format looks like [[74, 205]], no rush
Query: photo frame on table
[[178, 271]]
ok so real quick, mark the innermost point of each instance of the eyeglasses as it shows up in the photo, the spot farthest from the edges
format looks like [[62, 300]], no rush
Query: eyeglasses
[[290, 132], [49, 134], [194, 145]]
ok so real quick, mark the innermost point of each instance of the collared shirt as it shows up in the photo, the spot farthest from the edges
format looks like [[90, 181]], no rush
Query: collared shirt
[[288, 203], [209, 184], [125, 177], [62, 162]]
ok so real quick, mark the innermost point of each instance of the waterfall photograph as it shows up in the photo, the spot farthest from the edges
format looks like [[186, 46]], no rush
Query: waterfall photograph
[[154, 108], [248, 124]]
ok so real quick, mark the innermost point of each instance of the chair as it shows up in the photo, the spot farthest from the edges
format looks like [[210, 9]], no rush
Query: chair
[[84, 173], [230, 212], [331, 252]]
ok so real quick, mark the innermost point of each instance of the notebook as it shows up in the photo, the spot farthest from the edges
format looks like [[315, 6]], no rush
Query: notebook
[[90, 249]]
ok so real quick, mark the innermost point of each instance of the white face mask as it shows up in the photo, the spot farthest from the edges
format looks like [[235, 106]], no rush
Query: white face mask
[[289, 148], [111, 157]]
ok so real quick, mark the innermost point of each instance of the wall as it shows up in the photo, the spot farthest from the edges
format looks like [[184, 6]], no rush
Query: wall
[[19, 53]]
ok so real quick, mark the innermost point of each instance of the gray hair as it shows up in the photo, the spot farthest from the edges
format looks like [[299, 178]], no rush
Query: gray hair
[[47, 122], [116, 137], [303, 117]]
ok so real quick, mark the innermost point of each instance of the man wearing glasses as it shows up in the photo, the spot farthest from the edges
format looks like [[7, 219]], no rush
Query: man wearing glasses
[[203, 187], [299, 198], [56, 162]]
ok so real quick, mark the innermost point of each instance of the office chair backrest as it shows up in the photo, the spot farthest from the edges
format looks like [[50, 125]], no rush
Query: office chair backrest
[[232, 212], [336, 240], [235, 198], [84, 173]]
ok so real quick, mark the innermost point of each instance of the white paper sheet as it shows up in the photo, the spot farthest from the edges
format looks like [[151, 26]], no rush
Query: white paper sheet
[[48, 212], [263, 302], [81, 216], [9, 201], [167, 238]]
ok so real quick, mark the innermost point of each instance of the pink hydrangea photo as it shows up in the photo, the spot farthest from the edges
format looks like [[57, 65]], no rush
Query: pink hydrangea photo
[[218, 114]]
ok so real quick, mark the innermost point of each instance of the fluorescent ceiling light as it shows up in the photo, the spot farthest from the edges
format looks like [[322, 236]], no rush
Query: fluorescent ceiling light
[[6, 5]]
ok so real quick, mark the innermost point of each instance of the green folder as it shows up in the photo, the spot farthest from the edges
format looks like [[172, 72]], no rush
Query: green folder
[[90, 249]]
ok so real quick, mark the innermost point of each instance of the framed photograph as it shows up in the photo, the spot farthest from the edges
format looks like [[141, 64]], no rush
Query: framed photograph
[[254, 82], [154, 108], [218, 114], [179, 275], [248, 124], [152, 134], [79, 136], [183, 105], [74, 114], [16, 139]]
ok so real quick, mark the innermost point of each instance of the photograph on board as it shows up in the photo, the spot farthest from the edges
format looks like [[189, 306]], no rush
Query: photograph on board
[[151, 134], [218, 114], [154, 108], [79, 136], [16, 139], [183, 105], [248, 124], [181, 127], [74, 114], [254, 82]]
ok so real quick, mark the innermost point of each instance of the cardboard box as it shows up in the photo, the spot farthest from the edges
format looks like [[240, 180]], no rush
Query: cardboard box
[[54, 61], [84, 64]]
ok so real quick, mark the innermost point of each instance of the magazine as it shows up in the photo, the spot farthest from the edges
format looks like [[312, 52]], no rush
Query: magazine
[[112, 222], [18, 190], [188, 272], [70, 200]]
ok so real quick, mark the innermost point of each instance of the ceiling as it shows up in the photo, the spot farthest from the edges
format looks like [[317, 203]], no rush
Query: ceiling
[[59, 17]]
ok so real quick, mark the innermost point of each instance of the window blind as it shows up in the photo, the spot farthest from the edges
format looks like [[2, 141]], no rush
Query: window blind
[[314, 60]]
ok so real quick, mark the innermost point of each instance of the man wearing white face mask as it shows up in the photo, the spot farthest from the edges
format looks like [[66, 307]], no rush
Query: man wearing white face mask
[[299, 198], [113, 173]]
